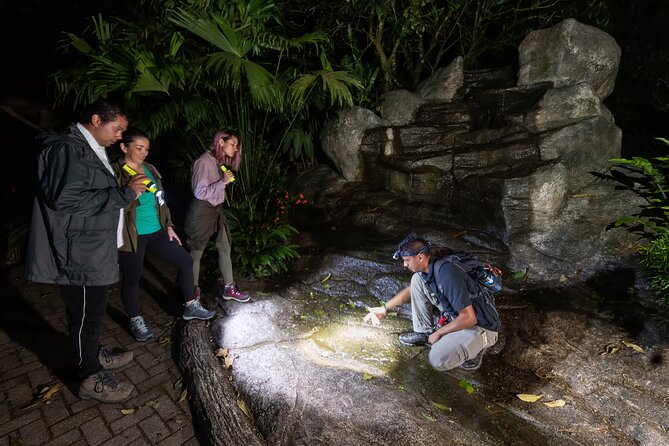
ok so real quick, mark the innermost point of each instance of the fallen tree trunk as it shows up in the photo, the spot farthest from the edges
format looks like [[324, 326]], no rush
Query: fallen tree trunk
[[217, 416]]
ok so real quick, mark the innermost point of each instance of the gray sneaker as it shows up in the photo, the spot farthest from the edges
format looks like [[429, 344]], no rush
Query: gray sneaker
[[102, 386], [139, 329], [196, 311], [113, 359], [414, 338], [474, 363]]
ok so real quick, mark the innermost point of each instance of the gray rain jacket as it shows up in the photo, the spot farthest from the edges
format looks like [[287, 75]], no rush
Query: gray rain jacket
[[75, 217]]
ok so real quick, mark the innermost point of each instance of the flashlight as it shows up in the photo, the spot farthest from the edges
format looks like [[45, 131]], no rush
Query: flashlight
[[150, 185], [225, 169]]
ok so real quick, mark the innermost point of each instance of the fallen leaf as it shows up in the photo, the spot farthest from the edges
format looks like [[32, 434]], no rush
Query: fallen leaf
[[227, 361], [367, 376], [610, 349], [528, 397], [165, 340], [51, 391], [153, 403], [222, 352], [563, 278], [467, 386], [520, 274], [543, 375], [128, 411], [441, 407], [633, 346], [556, 403], [184, 394], [428, 417], [242, 406], [35, 402], [326, 278]]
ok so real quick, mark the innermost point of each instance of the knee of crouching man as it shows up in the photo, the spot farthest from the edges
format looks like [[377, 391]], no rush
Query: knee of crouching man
[[439, 362]]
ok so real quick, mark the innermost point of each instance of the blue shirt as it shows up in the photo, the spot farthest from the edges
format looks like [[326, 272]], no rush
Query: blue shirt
[[458, 292]]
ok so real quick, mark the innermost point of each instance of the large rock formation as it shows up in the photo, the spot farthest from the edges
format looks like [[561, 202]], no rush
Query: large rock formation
[[513, 160]]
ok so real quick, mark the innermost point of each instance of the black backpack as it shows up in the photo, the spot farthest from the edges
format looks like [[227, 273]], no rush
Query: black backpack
[[481, 276], [485, 275]]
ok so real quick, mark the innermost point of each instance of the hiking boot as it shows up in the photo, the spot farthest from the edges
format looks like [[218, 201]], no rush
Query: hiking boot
[[102, 386], [231, 292], [140, 331], [195, 310], [474, 363], [414, 338], [113, 359]]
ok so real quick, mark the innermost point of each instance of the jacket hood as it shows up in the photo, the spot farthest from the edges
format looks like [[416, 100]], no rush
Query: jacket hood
[[48, 136]]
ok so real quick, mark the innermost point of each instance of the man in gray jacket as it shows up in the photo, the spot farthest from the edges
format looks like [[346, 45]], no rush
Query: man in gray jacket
[[74, 236]]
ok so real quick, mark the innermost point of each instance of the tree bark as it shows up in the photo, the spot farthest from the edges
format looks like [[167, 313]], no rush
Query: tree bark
[[217, 416]]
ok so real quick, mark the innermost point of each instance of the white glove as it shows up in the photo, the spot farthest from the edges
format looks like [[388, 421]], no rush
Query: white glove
[[372, 316]]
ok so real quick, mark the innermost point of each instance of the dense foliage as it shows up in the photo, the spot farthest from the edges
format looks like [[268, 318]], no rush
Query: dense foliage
[[274, 70], [186, 71], [648, 179]]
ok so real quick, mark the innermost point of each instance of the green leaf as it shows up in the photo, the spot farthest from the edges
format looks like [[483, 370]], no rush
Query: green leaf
[[467, 386], [428, 417], [520, 274], [441, 407]]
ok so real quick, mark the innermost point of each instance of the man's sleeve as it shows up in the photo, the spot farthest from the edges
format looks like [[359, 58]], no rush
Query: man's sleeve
[[65, 183]]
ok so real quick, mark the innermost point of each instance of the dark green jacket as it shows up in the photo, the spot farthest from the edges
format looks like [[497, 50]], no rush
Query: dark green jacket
[[76, 212], [130, 229]]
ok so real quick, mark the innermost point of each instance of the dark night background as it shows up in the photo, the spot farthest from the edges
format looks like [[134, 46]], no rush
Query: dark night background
[[32, 29]]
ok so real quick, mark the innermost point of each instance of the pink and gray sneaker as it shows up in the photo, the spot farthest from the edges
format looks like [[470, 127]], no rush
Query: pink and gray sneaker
[[231, 292]]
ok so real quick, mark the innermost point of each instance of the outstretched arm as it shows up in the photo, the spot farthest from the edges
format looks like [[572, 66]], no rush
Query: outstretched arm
[[401, 298]]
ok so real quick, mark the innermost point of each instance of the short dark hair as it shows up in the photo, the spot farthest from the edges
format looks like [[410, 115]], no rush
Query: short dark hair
[[412, 245], [106, 110]]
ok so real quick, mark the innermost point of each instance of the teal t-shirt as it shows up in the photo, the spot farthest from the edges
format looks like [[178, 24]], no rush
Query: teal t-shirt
[[146, 217]]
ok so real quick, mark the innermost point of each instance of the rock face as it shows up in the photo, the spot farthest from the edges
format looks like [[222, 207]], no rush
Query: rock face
[[513, 160], [343, 139], [570, 53], [307, 370]]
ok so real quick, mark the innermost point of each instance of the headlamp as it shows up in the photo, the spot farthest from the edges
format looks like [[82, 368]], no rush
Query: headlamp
[[403, 253]]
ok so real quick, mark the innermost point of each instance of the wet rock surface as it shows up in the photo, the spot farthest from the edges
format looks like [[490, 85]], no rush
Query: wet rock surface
[[311, 372]]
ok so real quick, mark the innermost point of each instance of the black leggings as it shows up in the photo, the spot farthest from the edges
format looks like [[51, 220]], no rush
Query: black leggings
[[132, 265]]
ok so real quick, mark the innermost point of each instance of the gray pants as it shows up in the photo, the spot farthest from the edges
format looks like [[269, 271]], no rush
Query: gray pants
[[454, 348]]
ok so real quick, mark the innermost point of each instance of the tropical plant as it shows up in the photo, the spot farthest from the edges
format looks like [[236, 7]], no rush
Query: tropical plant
[[188, 70], [407, 40], [648, 179]]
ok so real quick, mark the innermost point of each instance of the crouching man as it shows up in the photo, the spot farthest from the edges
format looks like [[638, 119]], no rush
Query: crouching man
[[469, 321]]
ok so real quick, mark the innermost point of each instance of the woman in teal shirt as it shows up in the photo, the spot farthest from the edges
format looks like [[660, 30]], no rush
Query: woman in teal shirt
[[148, 228]]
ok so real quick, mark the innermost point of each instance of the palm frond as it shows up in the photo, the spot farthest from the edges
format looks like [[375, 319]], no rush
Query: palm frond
[[205, 28]]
